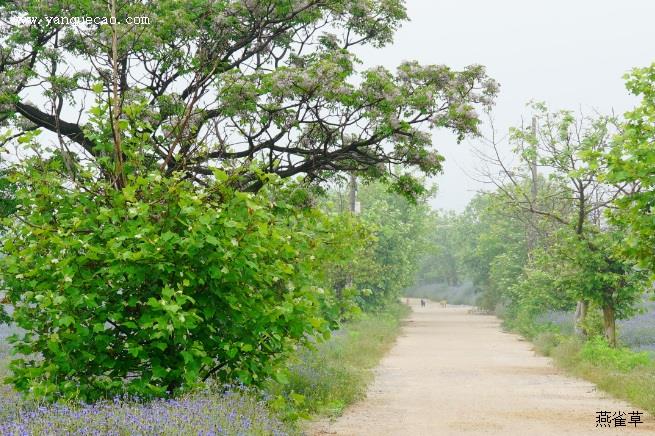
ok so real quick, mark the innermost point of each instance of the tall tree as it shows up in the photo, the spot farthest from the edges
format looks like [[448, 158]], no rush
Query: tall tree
[[249, 86], [568, 149], [443, 262], [400, 230], [495, 238]]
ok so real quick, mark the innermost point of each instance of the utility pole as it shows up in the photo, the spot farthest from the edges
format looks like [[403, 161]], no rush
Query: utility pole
[[533, 164], [532, 231]]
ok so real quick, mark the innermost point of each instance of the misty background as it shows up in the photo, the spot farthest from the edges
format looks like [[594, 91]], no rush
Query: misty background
[[569, 54]]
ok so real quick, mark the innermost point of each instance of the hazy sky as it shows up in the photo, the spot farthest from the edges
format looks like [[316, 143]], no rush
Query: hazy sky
[[571, 54]]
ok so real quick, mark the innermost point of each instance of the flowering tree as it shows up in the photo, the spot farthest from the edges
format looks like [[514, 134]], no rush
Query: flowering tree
[[227, 83]]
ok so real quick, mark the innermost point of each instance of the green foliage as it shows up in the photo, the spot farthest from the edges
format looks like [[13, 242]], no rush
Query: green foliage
[[592, 324], [157, 286], [7, 200], [570, 269], [7, 195], [596, 273], [208, 77], [539, 241], [495, 240], [598, 352], [630, 162], [390, 263], [443, 261]]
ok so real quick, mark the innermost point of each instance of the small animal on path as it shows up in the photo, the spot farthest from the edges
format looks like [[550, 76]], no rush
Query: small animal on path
[[422, 302], [444, 303]]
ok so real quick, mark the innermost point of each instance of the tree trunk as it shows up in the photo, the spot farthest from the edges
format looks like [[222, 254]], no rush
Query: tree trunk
[[580, 315], [609, 325], [353, 193]]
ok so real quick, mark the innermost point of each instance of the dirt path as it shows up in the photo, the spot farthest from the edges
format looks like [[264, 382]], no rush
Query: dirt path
[[453, 373]]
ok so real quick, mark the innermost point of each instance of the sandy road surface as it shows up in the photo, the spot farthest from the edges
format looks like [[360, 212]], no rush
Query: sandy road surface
[[453, 373]]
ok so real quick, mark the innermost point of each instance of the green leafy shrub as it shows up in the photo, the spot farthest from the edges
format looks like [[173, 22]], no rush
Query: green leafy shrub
[[7, 200], [157, 286], [598, 352]]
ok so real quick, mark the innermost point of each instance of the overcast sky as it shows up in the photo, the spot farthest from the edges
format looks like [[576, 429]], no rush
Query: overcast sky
[[571, 54]]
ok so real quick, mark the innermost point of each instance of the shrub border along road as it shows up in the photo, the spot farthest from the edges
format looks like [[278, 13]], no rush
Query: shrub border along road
[[324, 381], [621, 372]]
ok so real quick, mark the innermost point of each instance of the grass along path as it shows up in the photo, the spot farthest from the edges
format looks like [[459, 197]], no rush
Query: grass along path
[[323, 381], [621, 372]]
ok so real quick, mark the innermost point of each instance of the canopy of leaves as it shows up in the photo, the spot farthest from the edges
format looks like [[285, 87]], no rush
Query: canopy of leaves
[[222, 83], [443, 261], [631, 161], [7, 196], [539, 242], [387, 264]]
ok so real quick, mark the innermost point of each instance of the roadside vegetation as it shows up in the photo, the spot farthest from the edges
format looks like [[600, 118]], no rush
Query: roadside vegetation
[[620, 371], [321, 381], [324, 379], [561, 248], [319, 376]]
